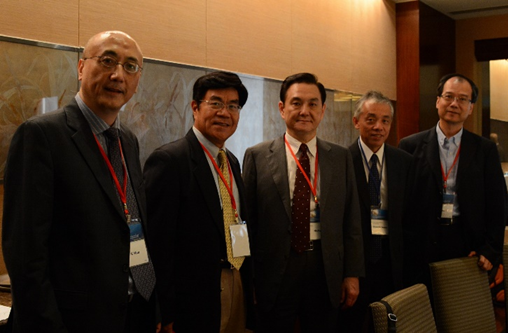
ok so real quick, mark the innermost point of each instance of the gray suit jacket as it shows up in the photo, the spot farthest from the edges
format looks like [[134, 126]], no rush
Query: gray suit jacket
[[266, 182]]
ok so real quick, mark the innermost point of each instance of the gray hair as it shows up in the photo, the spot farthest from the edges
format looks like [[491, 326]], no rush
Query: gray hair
[[372, 96]]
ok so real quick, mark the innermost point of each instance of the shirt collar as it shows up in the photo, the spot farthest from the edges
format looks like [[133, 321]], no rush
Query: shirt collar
[[212, 149], [368, 152], [295, 145], [96, 123], [454, 139]]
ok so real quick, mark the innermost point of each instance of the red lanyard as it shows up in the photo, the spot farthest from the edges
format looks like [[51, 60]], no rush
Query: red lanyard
[[229, 188], [312, 188], [122, 192], [445, 177]]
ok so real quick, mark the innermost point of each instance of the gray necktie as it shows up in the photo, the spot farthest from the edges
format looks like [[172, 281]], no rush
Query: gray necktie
[[143, 275]]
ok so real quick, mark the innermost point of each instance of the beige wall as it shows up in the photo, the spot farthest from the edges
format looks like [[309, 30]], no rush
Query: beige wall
[[349, 44], [498, 89], [468, 31]]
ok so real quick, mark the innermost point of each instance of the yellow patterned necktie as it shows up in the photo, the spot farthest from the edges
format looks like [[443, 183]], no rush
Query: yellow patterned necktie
[[227, 209]]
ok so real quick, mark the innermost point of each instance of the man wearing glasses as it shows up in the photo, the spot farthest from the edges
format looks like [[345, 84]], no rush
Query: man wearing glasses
[[74, 208], [458, 192], [197, 216]]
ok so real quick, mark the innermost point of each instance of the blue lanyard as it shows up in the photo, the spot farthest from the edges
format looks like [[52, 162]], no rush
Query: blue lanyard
[[378, 188]]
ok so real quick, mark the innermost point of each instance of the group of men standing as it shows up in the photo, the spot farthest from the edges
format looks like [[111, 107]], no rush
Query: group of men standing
[[309, 235]]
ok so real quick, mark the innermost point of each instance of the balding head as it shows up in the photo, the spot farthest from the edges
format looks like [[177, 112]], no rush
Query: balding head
[[105, 86]]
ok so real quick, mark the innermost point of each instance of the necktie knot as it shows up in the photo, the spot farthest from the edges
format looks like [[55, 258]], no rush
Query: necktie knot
[[303, 149], [222, 158], [112, 133], [373, 161]]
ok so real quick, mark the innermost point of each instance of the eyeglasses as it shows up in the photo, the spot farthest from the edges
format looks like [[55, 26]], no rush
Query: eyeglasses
[[110, 62], [216, 105], [460, 100]]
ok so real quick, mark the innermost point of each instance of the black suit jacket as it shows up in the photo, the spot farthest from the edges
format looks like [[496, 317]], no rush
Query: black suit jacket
[[266, 181], [397, 164], [481, 194], [65, 236], [186, 229]]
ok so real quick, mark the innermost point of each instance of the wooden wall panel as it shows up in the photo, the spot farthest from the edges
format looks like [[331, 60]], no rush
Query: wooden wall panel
[[349, 44], [321, 41], [249, 36], [437, 58], [373, 47], [408, 69], [50, 21], [467, 31], [170, 30]]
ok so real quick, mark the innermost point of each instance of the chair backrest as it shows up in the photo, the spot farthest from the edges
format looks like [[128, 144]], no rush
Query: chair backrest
[[412, 308], [462, 298]]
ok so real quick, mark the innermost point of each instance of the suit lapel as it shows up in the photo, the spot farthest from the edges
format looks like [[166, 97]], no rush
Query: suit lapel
[[361, 178], [467, 151], [277, 164], [432, 155], [325, 174], [84, 140], [130, 151], [205, 180], [237, 175]]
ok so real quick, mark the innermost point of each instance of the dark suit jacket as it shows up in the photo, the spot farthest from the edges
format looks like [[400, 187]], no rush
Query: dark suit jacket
[[266, 181], [187, 234], [481, 194], [65, 236], [397, 164]]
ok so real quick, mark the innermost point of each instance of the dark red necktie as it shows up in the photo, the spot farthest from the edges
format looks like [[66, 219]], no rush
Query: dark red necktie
[[300, 214]]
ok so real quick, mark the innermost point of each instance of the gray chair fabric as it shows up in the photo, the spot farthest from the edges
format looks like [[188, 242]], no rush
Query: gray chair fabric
[[462, 299], [412, 308]]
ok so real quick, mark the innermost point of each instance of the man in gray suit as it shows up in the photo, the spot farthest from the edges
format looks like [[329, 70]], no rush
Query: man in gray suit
[[305, 218]]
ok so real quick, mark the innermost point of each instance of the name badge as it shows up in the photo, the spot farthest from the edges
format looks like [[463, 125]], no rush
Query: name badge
[[379, 221], [315, 230], [240, 240], [138, 251], [447, 209], [315, 215]]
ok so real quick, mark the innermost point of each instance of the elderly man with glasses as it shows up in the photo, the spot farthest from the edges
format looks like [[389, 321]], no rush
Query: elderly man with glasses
[[74, 209], [458, 195]]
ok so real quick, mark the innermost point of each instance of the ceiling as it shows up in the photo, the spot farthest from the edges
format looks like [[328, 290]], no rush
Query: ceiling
[[462, 9]]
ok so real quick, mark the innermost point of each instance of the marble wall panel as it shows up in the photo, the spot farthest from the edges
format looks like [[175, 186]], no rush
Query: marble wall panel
[[35, 79], [160, 111], [32, 80]]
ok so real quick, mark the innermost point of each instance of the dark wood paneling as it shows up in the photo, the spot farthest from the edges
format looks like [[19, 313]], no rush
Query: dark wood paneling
[[408, 68], [437, 58], [491, 49]]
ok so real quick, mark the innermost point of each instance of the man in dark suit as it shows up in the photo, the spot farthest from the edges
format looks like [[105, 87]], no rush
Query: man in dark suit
[[458, 194], [306, 230], [382, 197], [192, 192], [66, 225]]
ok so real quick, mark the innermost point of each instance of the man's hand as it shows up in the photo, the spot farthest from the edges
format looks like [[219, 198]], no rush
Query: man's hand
[[483, 262], [350, 291]]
